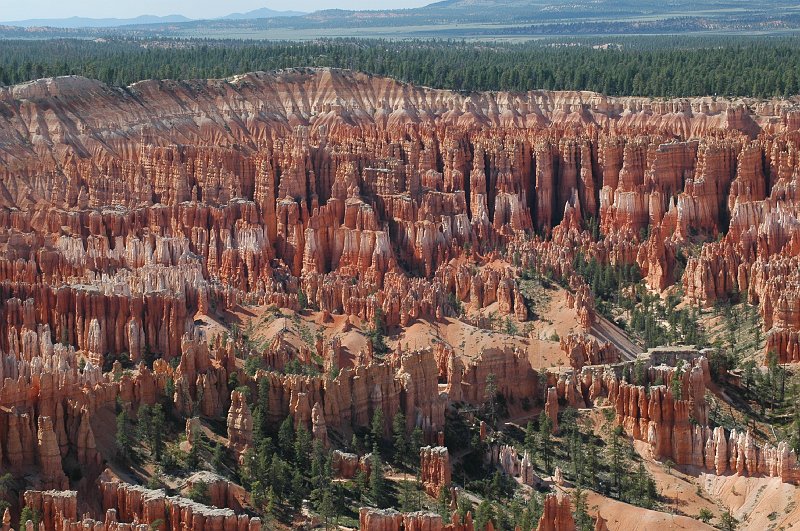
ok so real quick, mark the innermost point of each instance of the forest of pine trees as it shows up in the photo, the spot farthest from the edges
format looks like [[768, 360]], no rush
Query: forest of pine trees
[[757, 67]]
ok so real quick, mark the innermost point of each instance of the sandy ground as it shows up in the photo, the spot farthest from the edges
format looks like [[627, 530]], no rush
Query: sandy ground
[[679, 488], [624, 517], [758, 503], [539, 338], [264, 324], [469, 341]]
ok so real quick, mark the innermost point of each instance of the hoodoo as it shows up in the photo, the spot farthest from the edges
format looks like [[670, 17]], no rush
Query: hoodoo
[[347, 295]]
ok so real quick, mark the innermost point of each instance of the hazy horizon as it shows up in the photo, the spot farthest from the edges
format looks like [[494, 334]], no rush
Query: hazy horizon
[[50, 9]]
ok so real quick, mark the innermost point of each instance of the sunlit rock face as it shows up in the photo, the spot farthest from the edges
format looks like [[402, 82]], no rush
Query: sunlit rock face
[[127, 213]]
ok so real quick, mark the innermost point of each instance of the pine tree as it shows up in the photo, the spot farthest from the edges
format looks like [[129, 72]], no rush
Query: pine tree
[[401, 446], [377, 426], [25, 516], [218, 459], [408, 498], [532, 513], [28, 514], [496, 487], [484, 514], [727, 522], [577, 454], [592, 466], [677, 381], [355, 445], [377, 335], [530, 437], [193, 456], [490, 399], [6, 485], [158, 425], [360, 482], [123, 436], [169, 396], [297, 491], [279, 477], [583, 521], [327, 509], [261, 411], [463, 506], [545, 442], [443, 503], [617, 459], [414, 445], [270, 501], [377, 481], [144, 424], [302, 447], [199, 493], [286, 437], [645, 487]]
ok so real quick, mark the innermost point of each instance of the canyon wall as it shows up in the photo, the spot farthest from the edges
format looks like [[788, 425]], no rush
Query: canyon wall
[[123, 213], [127, 214], [667, 410]]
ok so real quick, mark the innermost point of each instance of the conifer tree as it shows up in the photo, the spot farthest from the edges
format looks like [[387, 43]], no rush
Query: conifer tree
[[443, 503], [261, 411], [123, 436], [377, 426], [484, 514], [583, 521], [377, 481], [193, 456], [490, 399], [402, 450], [302, 447], [158, 425], [617, 459], [414, 445], [286, 437], [545, 441], [144, 424]]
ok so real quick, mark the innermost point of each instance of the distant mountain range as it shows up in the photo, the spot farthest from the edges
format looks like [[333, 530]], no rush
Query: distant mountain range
[[264, 12], [83, 22], [455, 19]]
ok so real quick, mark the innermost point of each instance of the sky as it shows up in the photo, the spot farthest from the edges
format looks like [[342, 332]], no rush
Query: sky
[[17, 10]]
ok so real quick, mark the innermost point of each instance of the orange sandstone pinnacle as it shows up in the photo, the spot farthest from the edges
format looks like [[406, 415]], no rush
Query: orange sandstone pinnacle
[[127, 217]]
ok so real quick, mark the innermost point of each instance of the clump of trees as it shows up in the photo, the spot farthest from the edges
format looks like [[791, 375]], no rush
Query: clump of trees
[[377, 334], [617, 289]]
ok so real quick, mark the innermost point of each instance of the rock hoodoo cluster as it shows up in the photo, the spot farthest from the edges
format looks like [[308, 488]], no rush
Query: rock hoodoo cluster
[[676, 427], [130, 507], [434, 469], [510, 461], [254, 195], [129, 216], [391, 520]]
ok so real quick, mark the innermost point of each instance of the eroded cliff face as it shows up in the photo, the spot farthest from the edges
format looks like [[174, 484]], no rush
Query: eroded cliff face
[[391, 520], [435, 470], [668, 411], [125, 212]]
